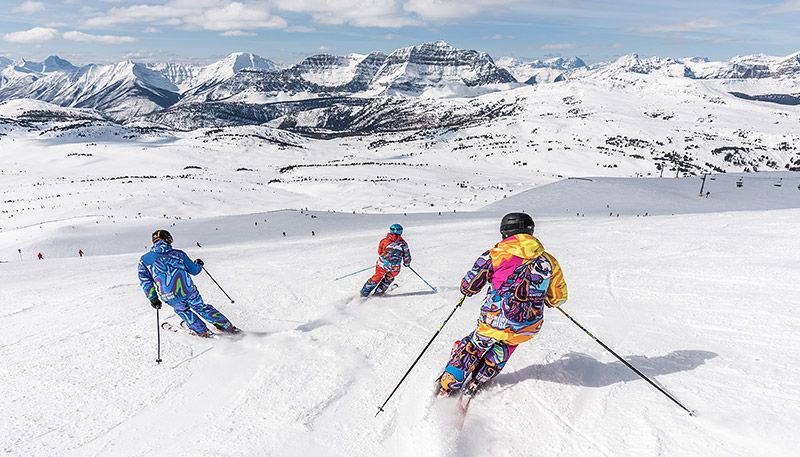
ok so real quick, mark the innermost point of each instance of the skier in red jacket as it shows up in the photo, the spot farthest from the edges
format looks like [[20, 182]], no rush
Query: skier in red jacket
[[393, 250]]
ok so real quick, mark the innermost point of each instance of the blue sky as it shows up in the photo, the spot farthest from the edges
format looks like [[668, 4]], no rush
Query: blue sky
[[99, 31]]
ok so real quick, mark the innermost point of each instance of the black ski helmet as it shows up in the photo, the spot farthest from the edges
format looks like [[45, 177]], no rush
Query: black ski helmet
[[516, 223], [163, 235]]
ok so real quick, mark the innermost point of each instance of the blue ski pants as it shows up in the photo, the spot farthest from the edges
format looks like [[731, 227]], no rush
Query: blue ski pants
[[188, 308]]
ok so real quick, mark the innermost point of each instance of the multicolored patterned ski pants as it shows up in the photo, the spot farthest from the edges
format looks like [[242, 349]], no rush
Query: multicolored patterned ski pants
[[379, 282], [187, 306], [479, 355]]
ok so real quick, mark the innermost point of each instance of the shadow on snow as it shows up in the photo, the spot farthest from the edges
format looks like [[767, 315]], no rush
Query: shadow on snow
[[580, 369]]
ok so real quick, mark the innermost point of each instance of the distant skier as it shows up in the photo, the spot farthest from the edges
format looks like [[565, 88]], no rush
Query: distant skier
[[165, 272], [40, 256], [393, 250], [80, 252], [522, 279]]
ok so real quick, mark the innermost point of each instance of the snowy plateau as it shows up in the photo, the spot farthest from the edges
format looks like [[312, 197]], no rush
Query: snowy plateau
[[283, 179]]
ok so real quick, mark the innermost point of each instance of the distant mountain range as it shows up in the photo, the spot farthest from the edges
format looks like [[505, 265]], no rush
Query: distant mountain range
[[245, 88]]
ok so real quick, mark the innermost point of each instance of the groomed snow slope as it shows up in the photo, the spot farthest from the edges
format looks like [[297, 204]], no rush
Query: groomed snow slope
[[701, 302]]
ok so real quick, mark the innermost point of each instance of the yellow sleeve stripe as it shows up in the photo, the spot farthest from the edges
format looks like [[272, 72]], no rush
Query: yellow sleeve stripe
[[557, 291]]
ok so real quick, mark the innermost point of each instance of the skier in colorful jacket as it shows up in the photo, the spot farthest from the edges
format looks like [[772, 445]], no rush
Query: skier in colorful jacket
[[392, 251], [522, 279], [166, 274]]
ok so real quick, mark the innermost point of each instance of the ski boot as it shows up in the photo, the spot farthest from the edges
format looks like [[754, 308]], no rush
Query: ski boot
[[230, 329], [471, 389]]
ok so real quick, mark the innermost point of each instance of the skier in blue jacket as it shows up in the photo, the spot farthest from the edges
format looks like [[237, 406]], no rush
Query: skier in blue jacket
[[166, 273]]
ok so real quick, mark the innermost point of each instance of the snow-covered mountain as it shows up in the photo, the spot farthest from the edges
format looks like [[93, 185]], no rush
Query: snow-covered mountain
[[49, 65], [122, 90], [757, 66], [186, 76], [439, 69], [127, 90], [746, 67], [555, 69], [321, 75], [633, 63], [430, 69]]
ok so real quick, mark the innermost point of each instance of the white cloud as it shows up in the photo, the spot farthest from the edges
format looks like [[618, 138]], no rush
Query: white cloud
[[236, 33], [391, 13], [690, 26], [216, 15], [299, 29], [150, 30], [34, 35], [788, 6], [104, 39], [455, 9], [359, 13], [558, 46], [29, 7]]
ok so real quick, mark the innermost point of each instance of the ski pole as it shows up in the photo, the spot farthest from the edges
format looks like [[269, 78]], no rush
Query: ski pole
[[380, 409], [691, 413], [353, 273], [158, 336], [220, 287], [423, 279]]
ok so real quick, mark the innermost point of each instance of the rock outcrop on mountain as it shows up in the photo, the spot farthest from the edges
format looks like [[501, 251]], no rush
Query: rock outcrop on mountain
[[437, 67]]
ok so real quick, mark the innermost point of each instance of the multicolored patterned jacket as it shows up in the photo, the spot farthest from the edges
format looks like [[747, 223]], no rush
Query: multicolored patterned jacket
[[166, 272], [522, 279], [393, 250]]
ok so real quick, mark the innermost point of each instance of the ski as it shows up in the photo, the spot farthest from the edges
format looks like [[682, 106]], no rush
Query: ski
[[391, 288], [464, 400], [181, 329]]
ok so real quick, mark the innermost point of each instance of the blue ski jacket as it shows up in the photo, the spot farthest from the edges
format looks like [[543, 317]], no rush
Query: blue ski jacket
[[166, 272]]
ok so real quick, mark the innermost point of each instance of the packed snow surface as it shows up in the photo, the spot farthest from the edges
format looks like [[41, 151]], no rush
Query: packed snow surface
[[699, 295]]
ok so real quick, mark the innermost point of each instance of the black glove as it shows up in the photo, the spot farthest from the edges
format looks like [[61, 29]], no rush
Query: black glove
[[155, 303], [199, 262]]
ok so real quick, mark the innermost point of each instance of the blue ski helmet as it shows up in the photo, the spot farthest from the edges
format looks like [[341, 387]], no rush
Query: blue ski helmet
[[396, 229]]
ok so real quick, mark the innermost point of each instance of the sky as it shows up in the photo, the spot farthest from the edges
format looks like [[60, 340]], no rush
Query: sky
[[286, 31]]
